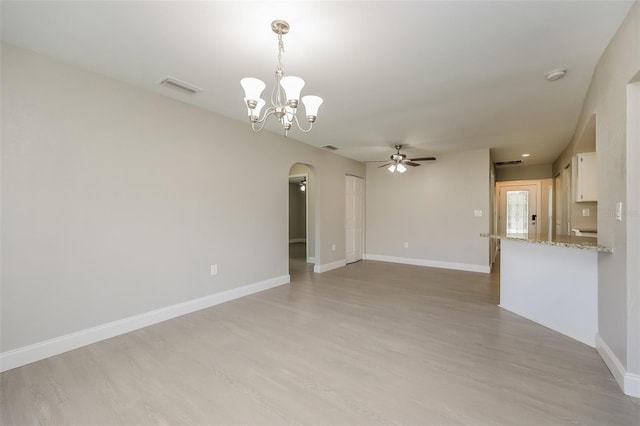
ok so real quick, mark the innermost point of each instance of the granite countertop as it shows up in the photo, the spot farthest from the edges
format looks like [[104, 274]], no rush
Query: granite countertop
[[571, 241]]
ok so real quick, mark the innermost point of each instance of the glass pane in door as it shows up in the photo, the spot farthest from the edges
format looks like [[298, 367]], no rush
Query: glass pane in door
[[518, 213]]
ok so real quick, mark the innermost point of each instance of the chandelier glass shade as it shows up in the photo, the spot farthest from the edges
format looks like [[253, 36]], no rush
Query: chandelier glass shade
[[285, 95]]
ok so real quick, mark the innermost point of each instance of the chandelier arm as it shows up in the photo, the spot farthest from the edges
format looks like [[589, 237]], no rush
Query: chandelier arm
[[258, 125], [266, 113], [295, 117]]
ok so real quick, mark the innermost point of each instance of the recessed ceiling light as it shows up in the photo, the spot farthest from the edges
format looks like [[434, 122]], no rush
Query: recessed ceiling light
[[526, 155], [555, 74]]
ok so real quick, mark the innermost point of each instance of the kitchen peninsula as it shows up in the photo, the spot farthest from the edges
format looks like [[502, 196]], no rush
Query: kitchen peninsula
[[552, 281]]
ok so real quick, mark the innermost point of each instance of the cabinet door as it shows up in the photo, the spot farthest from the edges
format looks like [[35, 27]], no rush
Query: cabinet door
[[587, 179]]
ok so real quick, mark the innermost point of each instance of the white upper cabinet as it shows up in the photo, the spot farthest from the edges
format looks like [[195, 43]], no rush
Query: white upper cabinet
[[586, 177]]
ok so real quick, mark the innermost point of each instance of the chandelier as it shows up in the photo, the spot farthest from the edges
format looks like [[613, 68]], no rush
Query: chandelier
[[285, 95]]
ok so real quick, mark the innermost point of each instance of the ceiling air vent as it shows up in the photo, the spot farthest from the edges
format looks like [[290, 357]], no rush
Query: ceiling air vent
[[330, 147], [508, 163], [180, 85]]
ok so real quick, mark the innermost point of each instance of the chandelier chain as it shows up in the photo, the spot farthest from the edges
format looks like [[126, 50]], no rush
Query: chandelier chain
[[280, 51]]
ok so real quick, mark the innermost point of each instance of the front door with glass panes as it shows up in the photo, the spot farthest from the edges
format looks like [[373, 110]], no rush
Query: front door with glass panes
[[517, 210]]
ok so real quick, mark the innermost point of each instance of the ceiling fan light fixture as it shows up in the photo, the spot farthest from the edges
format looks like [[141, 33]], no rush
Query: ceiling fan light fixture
[[398, 162], [285, 95]]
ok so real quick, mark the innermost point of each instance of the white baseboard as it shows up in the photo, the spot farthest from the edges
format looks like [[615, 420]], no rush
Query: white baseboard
[[431, 263], [37, 351], [628, 382], [329, 266], [297, 240], [611, 360], [632, 384]]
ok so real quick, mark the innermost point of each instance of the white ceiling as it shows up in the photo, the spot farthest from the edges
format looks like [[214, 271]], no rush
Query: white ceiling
[[437, 76]]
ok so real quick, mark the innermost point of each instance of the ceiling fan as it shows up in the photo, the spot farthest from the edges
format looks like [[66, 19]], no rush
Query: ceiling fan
[[399, 161]]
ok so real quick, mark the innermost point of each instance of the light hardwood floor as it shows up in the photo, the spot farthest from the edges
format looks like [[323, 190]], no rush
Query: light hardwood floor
[[370, 343]]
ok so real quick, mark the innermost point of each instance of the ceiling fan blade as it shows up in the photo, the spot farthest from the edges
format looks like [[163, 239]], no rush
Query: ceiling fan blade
[[410, 163], [387, 164], [423, 159]]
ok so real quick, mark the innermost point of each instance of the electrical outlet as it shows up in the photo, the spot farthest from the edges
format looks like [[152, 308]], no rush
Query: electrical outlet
[[333, 247], [214, 269], [477, 213], [586, 212], [406, 244]]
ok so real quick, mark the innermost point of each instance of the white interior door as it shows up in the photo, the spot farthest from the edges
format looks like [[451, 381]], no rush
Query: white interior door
[[518, 210], [354, 219]]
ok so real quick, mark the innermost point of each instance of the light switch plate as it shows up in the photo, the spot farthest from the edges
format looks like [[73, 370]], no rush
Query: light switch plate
[[586, 212], [477, 213]]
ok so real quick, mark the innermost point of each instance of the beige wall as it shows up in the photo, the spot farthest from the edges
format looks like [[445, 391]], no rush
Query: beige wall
[[115, 201], [618, 300], [431, 207]]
